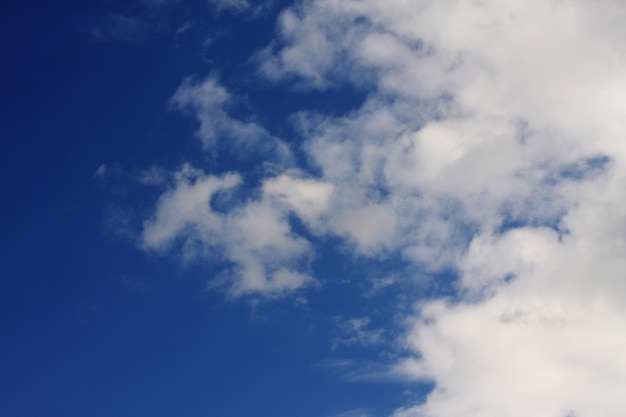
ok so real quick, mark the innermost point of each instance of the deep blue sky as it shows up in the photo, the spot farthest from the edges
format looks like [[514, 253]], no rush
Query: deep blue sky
[[90, 325]]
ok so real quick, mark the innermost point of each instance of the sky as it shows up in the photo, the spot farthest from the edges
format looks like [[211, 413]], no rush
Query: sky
[[313, 208]]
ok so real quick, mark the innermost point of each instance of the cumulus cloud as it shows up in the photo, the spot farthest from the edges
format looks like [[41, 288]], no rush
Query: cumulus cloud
[[472, 120], [254, 236], [481, 125], [491, 144]]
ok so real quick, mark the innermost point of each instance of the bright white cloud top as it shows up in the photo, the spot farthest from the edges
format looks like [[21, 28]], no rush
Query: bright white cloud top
[[491, 142]]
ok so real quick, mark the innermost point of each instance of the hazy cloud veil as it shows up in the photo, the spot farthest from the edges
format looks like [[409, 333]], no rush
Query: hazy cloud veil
[[491, 142]]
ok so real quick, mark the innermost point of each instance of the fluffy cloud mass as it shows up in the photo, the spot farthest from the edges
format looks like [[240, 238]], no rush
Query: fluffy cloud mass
[[490, 142], [255, 238]]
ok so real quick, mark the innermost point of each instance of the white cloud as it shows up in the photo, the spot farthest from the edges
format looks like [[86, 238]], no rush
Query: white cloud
[[370, 227], [547, 343], [480, 116], [208, 101], [186, 209], [453, 120], [255, 236], [308, 198], [475, 112], [261, 242]]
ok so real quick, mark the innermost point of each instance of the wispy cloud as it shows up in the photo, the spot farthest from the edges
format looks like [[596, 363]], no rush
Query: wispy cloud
[[208, 101], [358, 412], [122, 28], [356, 332], [154, 176], [230, 5]]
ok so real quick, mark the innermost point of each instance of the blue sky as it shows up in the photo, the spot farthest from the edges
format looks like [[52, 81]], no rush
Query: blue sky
[[313, 208]]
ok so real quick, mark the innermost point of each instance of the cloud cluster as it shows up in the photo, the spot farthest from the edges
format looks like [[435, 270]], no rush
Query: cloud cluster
[[254, 237], [490, 142]]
